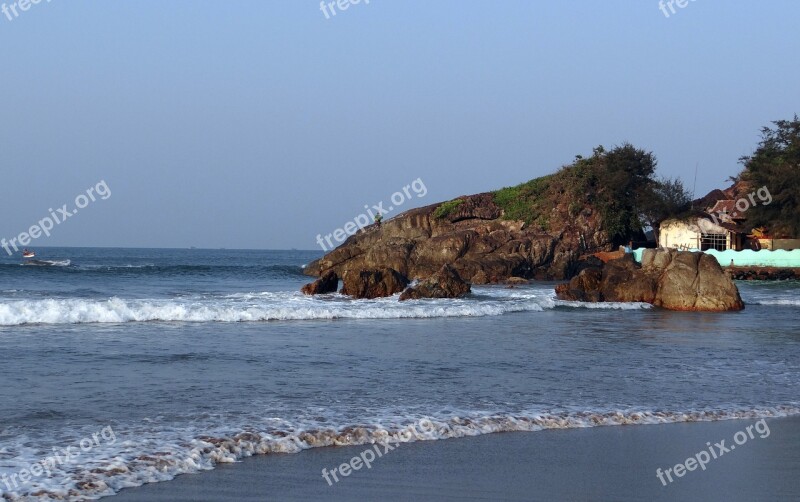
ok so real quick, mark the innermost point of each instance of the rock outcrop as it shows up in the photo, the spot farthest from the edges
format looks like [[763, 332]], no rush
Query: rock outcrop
[[674, 280], [764, 273], [446, 283], [516, 281], [328, 283], [476, 239], [375, 283]]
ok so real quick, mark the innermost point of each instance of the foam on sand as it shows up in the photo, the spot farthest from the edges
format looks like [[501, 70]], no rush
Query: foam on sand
[[147, 454]]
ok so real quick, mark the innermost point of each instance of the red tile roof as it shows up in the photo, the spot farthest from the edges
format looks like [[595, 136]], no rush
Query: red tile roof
[[727, 207]]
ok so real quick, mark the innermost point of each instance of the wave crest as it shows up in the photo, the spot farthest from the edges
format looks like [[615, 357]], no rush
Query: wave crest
[[256, 307]]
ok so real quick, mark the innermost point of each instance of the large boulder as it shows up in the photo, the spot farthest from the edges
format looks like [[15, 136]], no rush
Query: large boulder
[[696, 282], [674, 280], [584, 287], [373, 283], [446, 283], [328, 283], [624, 281]]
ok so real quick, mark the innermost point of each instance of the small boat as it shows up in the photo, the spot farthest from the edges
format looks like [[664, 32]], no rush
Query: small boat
[[26, 253]]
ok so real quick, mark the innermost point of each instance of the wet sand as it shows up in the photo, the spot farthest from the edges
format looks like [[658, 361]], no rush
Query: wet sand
[[601, 463]]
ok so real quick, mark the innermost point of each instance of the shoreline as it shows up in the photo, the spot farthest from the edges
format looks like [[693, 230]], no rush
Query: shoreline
[[597, 463]]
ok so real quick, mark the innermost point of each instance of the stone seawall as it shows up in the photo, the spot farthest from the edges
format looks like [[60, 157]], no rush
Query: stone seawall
[[763, 273]]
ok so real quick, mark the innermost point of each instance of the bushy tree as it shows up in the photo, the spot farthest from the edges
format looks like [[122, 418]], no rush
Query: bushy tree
[[668, 199], [776, 165], [620, 183]]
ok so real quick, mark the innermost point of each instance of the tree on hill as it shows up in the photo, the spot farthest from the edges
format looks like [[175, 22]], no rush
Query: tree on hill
[[620, 184], [669, 199], [614, 182], [775, 164]]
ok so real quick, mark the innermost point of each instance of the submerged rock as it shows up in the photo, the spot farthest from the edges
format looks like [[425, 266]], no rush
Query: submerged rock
[[446, 283], [674, 280], [328, 283], [379, 283], [516, 281]]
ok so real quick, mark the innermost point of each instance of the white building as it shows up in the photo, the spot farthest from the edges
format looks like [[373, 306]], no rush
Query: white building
[[700, 232]]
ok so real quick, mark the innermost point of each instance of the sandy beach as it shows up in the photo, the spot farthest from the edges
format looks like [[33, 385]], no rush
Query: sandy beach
[[601, 463]]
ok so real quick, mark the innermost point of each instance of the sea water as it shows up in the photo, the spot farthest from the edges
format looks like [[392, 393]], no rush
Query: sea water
[[145, 364]]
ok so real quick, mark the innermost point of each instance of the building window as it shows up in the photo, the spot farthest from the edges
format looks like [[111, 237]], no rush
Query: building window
[[714, 241]]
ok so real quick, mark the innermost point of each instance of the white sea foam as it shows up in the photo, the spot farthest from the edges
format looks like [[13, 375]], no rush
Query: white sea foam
[[604, 305], [145, 453], [47, 263], [785, 302], [115, 266], [269, 306]]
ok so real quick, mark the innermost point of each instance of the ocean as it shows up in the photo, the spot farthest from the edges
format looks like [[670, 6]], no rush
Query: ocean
[[122, 367]]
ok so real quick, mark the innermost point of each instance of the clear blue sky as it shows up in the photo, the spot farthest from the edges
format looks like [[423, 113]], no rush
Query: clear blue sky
[[260, 124]]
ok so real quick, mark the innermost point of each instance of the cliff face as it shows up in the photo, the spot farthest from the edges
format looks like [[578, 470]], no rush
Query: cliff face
[[475, 237]]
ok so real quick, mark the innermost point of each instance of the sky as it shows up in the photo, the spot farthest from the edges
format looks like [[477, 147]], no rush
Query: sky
[[260, 124]]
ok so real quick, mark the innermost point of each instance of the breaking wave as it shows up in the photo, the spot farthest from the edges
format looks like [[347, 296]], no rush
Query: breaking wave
[[280, 306], [141, 456], [781, 302], [47, 263]]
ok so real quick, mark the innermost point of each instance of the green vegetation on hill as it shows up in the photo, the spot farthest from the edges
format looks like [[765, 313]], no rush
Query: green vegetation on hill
[[527, 202], [619, 184], [445, 208]]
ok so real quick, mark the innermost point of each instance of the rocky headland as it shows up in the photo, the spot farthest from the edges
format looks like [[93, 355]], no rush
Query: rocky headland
[[540, 230], [474, 236]]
